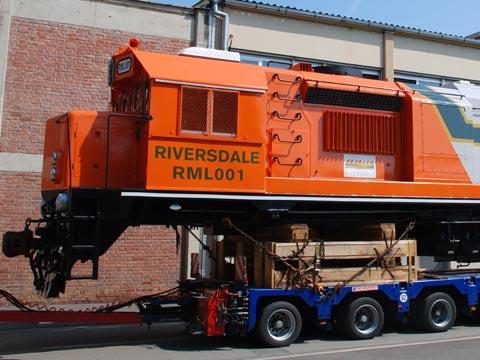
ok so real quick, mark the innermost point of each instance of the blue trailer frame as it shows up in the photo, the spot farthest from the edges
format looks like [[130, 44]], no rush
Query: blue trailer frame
[[463, 289], [401, 293]]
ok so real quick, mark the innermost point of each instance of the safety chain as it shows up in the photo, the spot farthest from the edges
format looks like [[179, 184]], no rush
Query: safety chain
[[109, 308], [388, 249], [272, 255], [300, 249], [202, 244]]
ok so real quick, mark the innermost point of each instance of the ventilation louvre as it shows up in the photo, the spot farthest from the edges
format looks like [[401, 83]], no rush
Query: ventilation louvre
[[352, 99], [225, 108], [358, 133], [194, 110], [208, 112]]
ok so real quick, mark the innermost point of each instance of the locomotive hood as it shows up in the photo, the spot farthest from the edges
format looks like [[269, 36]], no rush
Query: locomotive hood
[[163, 68]]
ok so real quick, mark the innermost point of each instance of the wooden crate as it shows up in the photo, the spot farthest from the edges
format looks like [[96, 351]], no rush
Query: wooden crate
[[283, 233], [344, 249], [287, 249], [344, 259], [366, 249], [334, 276], [370, 232], [272, 277]]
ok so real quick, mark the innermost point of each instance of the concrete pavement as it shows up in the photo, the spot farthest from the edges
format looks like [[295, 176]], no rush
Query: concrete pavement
[[169, 341]]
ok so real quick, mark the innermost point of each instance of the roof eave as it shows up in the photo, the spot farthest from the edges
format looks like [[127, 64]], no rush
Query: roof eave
[[475, 36]]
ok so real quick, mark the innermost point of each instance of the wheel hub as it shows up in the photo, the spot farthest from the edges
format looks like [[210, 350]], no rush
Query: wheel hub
[[441, 312], [366, 319], [281, 325]]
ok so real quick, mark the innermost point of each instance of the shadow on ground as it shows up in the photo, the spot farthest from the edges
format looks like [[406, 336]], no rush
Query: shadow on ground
[[166, 336]]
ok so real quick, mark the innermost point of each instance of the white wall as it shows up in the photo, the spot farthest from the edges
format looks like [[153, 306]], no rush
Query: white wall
[[279, 35], [436, 58]]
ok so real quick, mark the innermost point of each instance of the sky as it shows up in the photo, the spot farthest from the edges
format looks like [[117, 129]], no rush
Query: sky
[[458, 17]]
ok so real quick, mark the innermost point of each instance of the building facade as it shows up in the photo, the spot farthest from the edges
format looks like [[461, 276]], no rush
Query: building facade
[[53, 57]]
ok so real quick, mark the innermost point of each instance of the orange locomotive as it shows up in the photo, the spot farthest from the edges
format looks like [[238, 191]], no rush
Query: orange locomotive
[[198, 137]]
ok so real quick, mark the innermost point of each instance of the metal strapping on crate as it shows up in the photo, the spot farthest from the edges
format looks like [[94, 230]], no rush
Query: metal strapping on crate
[[407, 230], [271, 254]]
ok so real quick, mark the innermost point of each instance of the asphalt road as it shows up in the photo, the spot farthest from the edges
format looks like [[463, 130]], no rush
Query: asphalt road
[[168, 341]]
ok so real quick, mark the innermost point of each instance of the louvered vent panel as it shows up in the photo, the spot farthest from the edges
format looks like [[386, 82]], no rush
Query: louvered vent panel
[[358, 133], [194, 110], [225, 108], [353, 99]]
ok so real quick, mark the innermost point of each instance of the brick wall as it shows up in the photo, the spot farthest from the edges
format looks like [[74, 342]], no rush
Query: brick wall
[[53, 68]]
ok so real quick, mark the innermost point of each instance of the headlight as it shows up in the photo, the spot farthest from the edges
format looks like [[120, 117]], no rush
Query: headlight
[[53, 174], [53, 164], [53, 158], [61, 202]]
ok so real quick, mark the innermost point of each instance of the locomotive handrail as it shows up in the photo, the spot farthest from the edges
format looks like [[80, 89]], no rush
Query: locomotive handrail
[[398, 91], [298, 116], [298, 139], [297, 97], [297, 80], [298, 162]]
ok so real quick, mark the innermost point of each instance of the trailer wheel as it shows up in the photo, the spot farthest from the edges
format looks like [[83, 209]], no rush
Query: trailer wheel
[[437, 312], [279, 325], [362, 318]]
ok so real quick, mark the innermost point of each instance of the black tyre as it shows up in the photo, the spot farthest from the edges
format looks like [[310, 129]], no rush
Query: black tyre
[[279, 325], [361, 319], [436, 313]]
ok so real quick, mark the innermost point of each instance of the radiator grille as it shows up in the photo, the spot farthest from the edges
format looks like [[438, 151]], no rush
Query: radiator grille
[[352, 99], [358, 133], [225, 107], [194, 110]]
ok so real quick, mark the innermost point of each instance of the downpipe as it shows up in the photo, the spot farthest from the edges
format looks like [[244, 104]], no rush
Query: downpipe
[[214, 14]]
